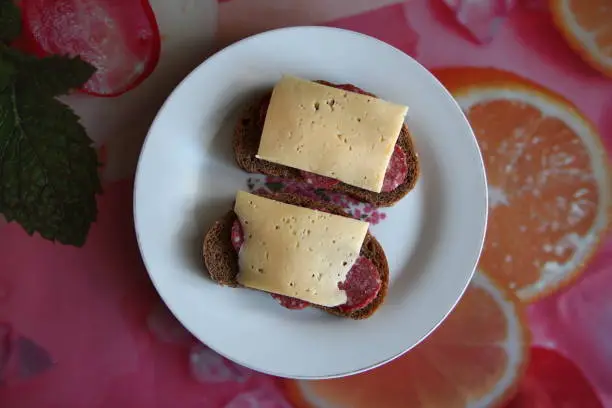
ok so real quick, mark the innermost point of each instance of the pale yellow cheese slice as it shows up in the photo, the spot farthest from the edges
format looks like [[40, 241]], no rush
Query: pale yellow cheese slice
[[331, 132], [296, 251]]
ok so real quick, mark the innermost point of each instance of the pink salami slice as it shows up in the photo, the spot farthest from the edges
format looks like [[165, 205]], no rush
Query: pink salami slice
[[397, 170], [290, 303], [118, 37], [317, 181], [362, 285], [237, 235]]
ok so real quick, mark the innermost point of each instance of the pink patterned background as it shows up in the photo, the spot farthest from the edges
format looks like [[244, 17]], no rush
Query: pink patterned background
[[85, 328]]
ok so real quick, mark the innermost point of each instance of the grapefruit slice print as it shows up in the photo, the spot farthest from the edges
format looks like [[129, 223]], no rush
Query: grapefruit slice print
[[118, 37], [587, 26], [474, 359], [549, 179]]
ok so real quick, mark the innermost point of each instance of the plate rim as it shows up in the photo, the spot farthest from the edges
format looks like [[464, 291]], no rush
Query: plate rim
[[273, 32]]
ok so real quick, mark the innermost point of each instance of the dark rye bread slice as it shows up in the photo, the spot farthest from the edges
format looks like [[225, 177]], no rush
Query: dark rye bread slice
[[222, 262], [247, 135]]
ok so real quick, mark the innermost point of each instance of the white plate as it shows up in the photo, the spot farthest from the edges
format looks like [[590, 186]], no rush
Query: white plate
[[187, 178]]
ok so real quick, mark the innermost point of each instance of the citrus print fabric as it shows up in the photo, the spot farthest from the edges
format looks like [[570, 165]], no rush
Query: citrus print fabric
[[85, 328]]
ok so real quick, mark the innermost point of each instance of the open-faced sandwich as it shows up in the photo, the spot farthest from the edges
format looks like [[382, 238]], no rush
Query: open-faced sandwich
[[335, 137], [304, 253]]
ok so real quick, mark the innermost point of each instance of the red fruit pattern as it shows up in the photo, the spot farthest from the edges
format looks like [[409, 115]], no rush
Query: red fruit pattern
[[118, 37]]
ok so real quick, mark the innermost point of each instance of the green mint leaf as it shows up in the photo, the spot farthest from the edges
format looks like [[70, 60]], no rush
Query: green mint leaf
[[56, 75], [50, 76], [48, 167], [10, 21], [7, 74]]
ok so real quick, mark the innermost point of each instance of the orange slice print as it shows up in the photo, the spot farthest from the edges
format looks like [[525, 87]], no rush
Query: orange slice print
[[548, 176], [587, 26], [474, 359]]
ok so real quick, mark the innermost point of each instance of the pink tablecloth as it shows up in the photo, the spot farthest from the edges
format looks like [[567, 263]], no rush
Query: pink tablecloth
[[84, 327]]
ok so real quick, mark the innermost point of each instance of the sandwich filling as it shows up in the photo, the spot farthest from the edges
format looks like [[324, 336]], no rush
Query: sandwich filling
[[302, 256], [334, 133], [397, 169]]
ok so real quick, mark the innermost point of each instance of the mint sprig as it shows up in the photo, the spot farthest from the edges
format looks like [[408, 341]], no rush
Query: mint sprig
[[48, 167], [10, 21]]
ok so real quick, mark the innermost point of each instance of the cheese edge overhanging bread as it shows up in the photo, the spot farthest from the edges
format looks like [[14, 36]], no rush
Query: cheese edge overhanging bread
[[246, 141], [221, 260]]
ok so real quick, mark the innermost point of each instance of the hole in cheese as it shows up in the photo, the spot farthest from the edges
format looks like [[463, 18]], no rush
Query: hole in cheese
[[316, 106], [331, 104]]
